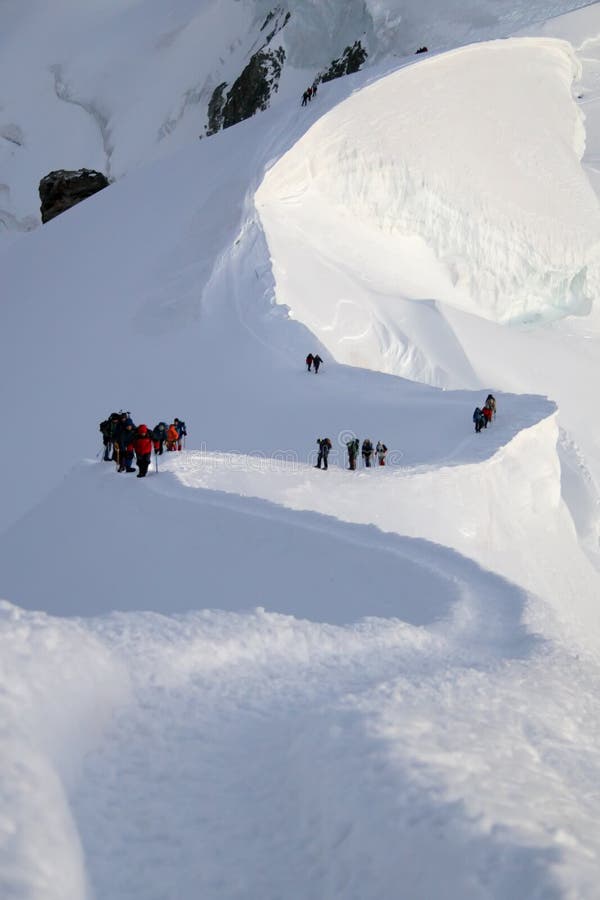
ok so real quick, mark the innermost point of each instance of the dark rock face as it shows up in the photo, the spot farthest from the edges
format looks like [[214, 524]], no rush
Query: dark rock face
[[215, 109], [252, 90], [62, 189], [350, 61]]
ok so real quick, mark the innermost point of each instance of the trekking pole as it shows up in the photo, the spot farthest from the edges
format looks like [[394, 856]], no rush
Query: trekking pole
[[156, 460]]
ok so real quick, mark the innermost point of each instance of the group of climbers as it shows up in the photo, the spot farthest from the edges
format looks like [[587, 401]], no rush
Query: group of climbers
[[313, 362], [367, 452], [484, 415], [170, 435], [309, 93], [353, 446], [123, 441]]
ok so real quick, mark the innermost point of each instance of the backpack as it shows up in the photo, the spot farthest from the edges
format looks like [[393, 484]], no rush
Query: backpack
[[367, 446]]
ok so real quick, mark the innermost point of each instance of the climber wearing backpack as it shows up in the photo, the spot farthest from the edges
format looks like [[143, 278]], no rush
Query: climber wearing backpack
[[128, 448], [367, 452], [491, 403], [352, 446], [324, 448], [159, 436], [487, 415], [142, 444], [478, 419], [172, 437], [309, 361], [108, 433], [316, 363], [181, 431], [381, 451], [123, 445]]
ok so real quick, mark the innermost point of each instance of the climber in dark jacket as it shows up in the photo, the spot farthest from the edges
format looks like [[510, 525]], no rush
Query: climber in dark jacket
[[181, 431], [478, 419], [352, 446], [108, 434], [122, 440], [324, 448], [159, 436]]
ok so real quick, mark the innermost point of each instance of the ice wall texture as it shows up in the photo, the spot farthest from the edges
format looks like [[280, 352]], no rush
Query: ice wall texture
[[475, 154]]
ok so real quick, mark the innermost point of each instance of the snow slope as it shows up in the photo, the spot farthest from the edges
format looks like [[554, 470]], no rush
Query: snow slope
[[245, 678]]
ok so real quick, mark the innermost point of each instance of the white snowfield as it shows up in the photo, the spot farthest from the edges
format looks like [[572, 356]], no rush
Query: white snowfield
[[243, 678]]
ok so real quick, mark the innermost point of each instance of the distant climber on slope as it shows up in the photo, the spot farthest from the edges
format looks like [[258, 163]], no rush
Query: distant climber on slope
[[478, 419], [127, 448], [304, 98], [172, 437], [159, 436], [324, 448], [487, 415], [309, 361], [367, 452], [491, 402], [181, 430], [316, 363], [352, 446], [108, 427], [123, 443], [381, 451], [142, 444]]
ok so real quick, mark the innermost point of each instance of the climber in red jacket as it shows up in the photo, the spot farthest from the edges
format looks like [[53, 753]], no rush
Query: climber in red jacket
[[143, 450]]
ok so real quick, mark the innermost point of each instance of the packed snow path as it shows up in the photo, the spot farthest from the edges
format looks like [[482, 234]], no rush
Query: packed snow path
[[255, 754]]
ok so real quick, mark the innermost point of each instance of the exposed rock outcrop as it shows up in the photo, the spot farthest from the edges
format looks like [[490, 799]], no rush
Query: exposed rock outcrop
[[252, 90], [215, 109], [62, 189], [350, 61]]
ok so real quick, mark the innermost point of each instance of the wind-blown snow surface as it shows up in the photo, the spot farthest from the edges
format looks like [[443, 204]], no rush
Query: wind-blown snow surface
[[246, 678]]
